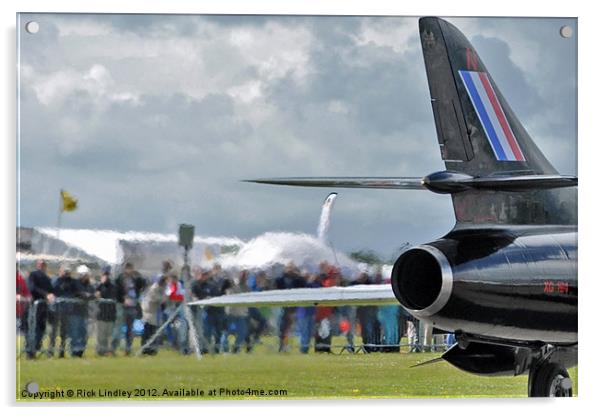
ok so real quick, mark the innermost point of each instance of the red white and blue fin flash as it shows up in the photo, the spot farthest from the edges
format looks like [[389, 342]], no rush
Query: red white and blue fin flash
[[492, 117]]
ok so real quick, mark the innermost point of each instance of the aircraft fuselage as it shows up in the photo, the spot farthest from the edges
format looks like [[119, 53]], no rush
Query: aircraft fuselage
[[517, 283]]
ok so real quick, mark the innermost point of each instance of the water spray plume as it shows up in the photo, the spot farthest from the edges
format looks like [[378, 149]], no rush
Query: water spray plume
[[324, 223]]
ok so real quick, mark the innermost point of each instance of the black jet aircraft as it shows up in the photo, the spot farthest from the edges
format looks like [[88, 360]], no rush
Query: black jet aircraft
[[504, 279]]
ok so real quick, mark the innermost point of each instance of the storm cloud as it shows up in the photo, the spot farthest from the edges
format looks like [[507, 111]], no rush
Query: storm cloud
[[153, 120]]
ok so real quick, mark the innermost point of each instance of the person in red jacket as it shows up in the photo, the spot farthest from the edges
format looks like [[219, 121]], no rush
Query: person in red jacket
[[330, 276], [175, 293], [175, 290], [23, 301]]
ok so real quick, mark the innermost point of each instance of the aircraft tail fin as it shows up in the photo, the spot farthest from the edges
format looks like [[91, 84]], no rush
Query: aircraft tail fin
[[480, 136], [478, 132]]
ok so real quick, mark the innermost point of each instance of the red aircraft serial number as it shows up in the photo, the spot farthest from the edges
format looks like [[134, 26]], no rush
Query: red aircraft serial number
[[560, 287]]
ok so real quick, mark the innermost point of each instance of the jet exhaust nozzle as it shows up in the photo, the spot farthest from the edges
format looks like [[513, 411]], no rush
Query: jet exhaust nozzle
[[422, 280]]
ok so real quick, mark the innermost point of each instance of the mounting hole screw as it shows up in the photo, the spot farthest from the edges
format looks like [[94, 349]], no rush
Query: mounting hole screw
[[32, 387], [32, 27], [566, 32]]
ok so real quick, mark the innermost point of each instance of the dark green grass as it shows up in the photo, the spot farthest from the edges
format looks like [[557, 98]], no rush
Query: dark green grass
[[377, 375]]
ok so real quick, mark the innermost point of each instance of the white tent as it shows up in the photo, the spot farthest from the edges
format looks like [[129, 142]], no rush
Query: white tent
[[145, 250]]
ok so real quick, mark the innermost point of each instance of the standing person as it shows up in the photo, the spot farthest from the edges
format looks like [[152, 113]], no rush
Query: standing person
[[349, 313], [23, 301], [306, 316], [210, 284], [220, 284], [66, 290], [201, 289], [106, 293], [330, 276], [257, 284], [41, 290], [414, 336], [164, 313], [227, 327], [174, 290], [367, 316], [289, 279], [238, 316], [78, 319], [130, 285], [151, 304], [388, 317]]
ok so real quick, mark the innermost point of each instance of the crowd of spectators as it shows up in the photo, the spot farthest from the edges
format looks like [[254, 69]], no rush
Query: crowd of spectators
[[130, 304]]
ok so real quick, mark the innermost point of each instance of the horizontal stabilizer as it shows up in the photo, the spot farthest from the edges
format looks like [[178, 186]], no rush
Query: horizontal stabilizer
[[446, 182], [348, 182], [304, 297]]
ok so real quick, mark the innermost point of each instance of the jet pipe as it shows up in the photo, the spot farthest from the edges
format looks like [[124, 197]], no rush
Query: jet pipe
[[518, 284], [422, 280]]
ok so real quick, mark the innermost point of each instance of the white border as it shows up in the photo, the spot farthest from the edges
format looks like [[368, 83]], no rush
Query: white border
[[589, 65]]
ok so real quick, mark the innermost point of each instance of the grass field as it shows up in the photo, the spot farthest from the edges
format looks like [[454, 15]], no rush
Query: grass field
[[346, 376]]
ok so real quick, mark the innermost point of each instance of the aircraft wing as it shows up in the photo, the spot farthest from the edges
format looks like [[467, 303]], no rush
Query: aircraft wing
[[306, 297]]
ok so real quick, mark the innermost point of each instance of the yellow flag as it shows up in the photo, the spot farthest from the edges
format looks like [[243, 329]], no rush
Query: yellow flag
[[69, 203], [208, 254]]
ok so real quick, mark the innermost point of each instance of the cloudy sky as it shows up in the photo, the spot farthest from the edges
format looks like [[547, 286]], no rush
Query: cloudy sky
[[151, 121]]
